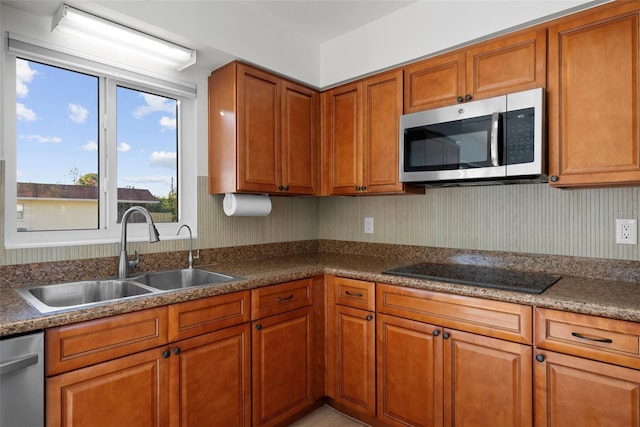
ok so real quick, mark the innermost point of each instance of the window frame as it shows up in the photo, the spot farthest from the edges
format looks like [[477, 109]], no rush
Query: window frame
[[110, 77]]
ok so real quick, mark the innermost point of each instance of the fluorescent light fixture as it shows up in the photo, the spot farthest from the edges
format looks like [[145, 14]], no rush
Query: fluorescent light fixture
[[104, 34]]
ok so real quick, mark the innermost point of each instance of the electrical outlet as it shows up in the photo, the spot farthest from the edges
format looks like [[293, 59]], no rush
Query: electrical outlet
[[627, 231], [368, 225]]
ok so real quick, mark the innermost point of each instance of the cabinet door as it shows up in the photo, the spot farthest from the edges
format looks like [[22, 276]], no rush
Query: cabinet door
[[353, 366], [258, 130], [342, 139], [434, 82], [282, 359], [382, 111], [486, 379], [571, 391], [593, 99], [300, 124], [129, 391], [506, 64], [409, 362], [211, 379]]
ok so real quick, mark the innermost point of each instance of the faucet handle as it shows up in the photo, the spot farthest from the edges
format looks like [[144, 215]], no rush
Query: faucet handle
[[135, 263]]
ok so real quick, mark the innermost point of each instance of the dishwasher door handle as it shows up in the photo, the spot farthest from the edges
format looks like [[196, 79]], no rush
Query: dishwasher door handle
[[15, 364]]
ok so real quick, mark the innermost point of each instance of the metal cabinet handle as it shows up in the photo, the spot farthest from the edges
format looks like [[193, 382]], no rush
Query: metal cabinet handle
[[176, 351], [258, 326], [540, 358], [436, 333], [459, 99], [582, 337], [468, 97], [20, 363], [554, 178], [369, 317], [166, 354], [445, 335], [353, 294], [280, 299]]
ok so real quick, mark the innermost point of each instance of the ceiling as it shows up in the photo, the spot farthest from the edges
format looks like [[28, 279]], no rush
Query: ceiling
[[320, 20], [291, 37]]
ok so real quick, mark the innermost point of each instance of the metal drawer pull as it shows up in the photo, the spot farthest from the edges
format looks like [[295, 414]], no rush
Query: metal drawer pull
[[582, 337], [353, 294], [14, 365], [284, 298]]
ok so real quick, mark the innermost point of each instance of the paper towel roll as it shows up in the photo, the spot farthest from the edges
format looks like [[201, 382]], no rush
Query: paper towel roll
[[246, 204]]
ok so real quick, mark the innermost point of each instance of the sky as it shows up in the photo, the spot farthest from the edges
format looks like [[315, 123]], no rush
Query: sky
[[57, 130]]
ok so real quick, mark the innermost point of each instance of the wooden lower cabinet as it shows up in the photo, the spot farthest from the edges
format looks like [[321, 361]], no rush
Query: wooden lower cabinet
[[128, 391], [430, 376], [353, 360], [409, 370], [210, 381], [573, 391], [282, 366], [199, 381], [487, 381]]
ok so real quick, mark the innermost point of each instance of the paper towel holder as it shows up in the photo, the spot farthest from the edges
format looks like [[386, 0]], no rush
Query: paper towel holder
[[238, 204]]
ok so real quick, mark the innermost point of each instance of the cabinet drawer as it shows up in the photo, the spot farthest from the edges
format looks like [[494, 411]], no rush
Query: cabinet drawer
[[491, 318], [276, 299], [599, 338], [355, 293], [198, 317], [74, 346]]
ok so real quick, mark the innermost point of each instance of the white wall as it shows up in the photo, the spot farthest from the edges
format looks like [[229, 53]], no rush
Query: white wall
[[424, 28]]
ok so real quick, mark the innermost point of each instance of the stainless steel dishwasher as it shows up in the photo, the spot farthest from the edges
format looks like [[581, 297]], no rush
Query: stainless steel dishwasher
[[22, 381]]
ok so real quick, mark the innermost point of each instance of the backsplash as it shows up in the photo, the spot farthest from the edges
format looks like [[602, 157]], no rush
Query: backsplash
[[291, 219], [531, 218]]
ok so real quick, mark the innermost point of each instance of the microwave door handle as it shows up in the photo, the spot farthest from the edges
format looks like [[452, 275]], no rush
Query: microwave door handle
[[495, 118]]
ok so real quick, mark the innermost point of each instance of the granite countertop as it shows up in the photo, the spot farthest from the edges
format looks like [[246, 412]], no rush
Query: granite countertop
[[607, 298]]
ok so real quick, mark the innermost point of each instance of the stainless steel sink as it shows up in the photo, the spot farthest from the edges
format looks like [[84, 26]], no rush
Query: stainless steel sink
[[79, 294], [183, 278]]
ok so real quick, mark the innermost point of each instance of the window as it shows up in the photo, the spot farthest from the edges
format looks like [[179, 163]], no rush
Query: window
[[88, 144]]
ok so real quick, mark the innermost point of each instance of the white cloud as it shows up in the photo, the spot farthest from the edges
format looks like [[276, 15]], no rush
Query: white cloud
[[78, 113], [42, 139], [154, 103], [90, 146], [163, 159], [24, 75], [123, 147], [25, 113], [154, 179], [168, 122]]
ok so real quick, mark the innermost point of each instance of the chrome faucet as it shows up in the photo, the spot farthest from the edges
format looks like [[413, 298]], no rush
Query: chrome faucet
[[191, 258], [124, 264]]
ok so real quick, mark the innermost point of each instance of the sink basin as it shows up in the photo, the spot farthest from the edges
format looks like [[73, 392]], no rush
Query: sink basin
[[183, 278], [79, 294]]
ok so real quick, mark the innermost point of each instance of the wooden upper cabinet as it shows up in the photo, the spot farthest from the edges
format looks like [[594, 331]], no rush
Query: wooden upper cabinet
[[434, 82], [511, 63], [342, 139], [263, 133], [360, 136], [300, 138], [593, 98]]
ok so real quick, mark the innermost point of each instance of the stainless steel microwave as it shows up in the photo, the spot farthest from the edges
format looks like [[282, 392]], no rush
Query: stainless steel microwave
[[499, 139]]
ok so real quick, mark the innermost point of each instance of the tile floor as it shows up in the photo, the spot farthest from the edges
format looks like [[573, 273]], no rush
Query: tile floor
[[326, 416]]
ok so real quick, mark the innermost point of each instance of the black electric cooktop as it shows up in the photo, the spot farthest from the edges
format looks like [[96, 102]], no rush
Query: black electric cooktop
[[486, 277]]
